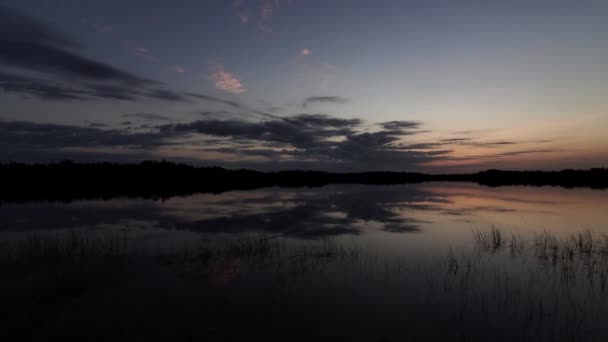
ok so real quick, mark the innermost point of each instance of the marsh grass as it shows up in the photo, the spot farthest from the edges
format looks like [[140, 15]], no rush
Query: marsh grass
[[73, 246], [543, 288], [83, 246], [582, 255]]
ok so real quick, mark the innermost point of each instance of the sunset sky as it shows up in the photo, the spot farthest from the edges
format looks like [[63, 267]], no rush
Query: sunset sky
[[434, 86]]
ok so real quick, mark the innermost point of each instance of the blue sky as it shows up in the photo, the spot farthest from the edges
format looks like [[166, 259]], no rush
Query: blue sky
[[506, 84]]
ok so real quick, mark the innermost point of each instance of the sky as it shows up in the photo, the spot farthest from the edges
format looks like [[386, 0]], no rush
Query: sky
[[432, 86]]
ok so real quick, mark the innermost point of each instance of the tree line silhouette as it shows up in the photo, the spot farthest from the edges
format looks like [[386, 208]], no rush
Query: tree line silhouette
[[67, 180]]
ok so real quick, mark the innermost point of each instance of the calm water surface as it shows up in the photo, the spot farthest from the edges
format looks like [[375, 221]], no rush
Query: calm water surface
[[411, 219], [412, 272]]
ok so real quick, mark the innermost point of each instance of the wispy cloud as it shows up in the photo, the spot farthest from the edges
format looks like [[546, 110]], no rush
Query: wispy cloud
[[28, 44], [32, 47], [177, 68], [243, 17], [266, 11], [226, 81], [312, 141], [323, 99], [260, 13], [147, 116]]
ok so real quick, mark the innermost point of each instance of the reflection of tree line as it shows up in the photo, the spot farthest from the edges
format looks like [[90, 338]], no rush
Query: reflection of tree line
[[68, 180]]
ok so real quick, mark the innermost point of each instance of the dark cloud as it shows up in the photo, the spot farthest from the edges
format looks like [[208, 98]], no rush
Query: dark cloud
[[32, 45], [399, 125], [270, 131], [472, 142], [54, 90], [214, 99], [305, 131], [308, 141], [323, 99], [113, 92], [516, 153], [322, 120], [39, 88], [492, 143], [147, 116], [229, 103], [316, 138], [421, 146], [167, 95], [15, 25], [455, 140], [53, 60], [52, 136], [312, 139]]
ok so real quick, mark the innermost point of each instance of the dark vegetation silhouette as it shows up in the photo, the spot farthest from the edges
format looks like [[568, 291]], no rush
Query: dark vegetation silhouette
[[67, 180]]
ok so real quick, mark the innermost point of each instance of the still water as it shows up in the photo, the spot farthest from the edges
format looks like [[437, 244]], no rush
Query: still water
[[411, 219], [351, 262]]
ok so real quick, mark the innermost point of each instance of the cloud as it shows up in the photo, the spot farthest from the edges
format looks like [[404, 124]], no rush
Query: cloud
[[147, 116], [305, 52], [323, 99], [455, 140], [177, 68], [517, 153], [322, 120], [475, 143], [28, 44], [312, 138], [59, 91], [166, 95], [30, 47], [226, 81], [266, 11], [214, 99], [308, 141], [15, 26], [313, 141], [243, 17], [399, 125], [10, 83], [45, 136]]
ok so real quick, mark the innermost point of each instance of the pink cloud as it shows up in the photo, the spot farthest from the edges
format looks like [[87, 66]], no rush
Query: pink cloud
[[266, 11], [177, 68], [140, 51], [243, 17], [305, 52], [226, 81]]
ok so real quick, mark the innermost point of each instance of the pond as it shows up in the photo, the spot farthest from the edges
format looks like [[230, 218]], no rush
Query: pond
[[355, 262]]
